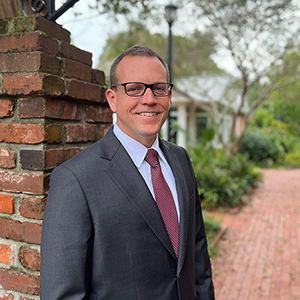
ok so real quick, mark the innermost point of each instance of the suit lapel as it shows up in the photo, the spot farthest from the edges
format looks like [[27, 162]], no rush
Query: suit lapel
[[124, 173]]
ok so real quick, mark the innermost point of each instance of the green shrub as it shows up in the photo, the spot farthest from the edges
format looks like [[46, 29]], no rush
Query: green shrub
[[293, 159], [261, 147], [268, 139], [222, 181], [296, 145], [212, 229]]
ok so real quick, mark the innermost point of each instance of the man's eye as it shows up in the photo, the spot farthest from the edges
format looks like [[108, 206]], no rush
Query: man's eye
[[159, 88], [134, 88], [131, 89]]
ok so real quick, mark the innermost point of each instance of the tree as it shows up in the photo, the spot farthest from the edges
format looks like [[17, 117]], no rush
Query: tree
[[191, 56], [257, 35], [122, 6]]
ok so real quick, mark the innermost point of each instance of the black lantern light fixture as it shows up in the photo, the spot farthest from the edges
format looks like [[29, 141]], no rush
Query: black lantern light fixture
[[47, 8], [171, 15]]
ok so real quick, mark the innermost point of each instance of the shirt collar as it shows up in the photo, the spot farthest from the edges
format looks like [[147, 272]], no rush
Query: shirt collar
[[136, 150]]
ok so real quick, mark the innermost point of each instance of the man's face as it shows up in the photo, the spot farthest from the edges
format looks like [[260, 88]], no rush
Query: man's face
[[140, 117]]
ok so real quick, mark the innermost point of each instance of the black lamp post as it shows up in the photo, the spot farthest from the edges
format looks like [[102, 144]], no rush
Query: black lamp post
[[170, 14]]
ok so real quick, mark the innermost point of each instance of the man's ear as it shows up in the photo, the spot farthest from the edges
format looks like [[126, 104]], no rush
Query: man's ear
[[111, 98]]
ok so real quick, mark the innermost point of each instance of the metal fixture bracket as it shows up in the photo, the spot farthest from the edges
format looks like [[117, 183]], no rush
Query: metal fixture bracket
[[47, 9]]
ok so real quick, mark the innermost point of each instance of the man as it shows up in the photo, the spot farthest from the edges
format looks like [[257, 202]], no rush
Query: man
[[107, 232]]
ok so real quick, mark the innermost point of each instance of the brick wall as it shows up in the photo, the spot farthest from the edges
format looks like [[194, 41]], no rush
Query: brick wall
[[52, 105]]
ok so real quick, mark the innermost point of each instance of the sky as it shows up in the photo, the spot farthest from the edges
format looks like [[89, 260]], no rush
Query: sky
[[88, 32]]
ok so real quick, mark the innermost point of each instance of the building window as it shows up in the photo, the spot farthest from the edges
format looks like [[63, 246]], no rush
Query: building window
[[201, 122]]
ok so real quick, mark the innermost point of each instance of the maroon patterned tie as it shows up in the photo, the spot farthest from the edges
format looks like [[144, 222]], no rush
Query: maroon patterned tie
[[164, 199]]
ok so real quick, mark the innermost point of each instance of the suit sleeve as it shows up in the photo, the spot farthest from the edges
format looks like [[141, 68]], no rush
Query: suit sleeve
[[203, 272], [66, 246]]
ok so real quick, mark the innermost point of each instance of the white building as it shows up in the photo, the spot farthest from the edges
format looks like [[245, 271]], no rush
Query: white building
[[211, 92]]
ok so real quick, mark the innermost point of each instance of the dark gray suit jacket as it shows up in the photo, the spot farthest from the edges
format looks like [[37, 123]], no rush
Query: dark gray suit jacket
[[103, 236]]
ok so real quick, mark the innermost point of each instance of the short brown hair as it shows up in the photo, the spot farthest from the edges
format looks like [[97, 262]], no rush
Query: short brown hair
[[136, 50]]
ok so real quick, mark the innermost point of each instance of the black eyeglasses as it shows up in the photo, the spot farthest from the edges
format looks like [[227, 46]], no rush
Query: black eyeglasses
[[137, 89]]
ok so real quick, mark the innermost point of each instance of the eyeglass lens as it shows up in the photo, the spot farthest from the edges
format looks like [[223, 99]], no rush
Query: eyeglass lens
[[138, 89]]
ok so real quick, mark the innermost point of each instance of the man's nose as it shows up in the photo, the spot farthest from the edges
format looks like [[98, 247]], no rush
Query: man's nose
[[148, 97]]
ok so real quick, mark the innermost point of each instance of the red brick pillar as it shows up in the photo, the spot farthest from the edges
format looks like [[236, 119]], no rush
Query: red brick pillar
[[52, 105]]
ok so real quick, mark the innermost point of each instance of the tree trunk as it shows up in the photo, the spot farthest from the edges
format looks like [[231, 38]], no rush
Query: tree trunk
[[237, 142]]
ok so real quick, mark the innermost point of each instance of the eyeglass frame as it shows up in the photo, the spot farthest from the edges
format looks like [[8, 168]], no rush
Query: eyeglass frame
[[146, 86]]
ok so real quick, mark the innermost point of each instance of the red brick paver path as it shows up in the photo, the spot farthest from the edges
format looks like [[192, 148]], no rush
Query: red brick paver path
[[260, 252]]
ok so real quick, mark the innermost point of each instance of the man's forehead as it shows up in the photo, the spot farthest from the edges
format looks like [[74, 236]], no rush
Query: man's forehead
[[138, 59], [132, 65]]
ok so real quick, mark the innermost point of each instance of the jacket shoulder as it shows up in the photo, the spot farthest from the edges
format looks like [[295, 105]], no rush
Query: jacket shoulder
[[89, 158]]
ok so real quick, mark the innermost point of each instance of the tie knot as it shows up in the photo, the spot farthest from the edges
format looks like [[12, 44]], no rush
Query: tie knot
[[152, 158]]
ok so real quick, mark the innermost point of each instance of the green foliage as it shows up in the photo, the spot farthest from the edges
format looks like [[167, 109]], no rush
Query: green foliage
[[212, 229], [261, 147], [285, 105], [196, 45], [262, 118], [122, 6], [292, 159], [222, 180], [268, 140], [200, 47]]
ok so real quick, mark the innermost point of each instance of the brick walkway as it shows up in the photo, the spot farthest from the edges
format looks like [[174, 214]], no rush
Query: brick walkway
[[260, 252]]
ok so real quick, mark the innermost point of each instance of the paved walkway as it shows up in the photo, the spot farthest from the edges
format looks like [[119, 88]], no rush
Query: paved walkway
[[260, 252]]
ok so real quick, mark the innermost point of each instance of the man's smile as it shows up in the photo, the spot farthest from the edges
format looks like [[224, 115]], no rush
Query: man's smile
[[145, 114]]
